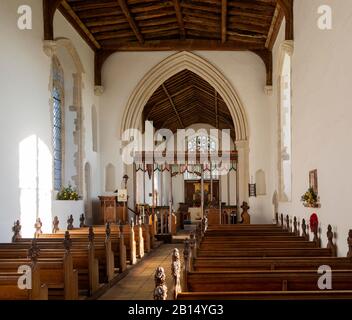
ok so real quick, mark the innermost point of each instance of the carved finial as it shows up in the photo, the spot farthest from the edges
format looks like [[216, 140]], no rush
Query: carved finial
[[295, 230], [38, 228], [56, 224], [331, 245], [304, 230], [160, 291], [67, 241], [16, 229], [176, 271], [33, 251], [70, 223], [107, 230], [91, 234], [282, 220], [349, 241], [246, 219], [81, 221]]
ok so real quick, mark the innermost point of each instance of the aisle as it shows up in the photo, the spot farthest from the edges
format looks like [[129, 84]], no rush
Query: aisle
[[139, 283]]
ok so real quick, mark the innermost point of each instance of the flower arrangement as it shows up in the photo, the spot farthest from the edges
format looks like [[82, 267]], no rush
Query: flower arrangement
[[310, 199], [68, 193]]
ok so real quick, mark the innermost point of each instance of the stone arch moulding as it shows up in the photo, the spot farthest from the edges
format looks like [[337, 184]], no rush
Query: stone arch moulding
[[170, 66], [132, 117], [50, 48]]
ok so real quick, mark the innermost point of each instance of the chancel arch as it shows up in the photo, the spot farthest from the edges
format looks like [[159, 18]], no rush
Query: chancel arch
[[222, 90]]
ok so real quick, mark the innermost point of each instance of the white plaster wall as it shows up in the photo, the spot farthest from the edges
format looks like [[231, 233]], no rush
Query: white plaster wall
[[24, 106], [321, 116], [245, 71]]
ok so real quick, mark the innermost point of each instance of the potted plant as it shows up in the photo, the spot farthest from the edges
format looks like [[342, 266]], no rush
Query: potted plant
[[310, 199], [68, 193], [68, 202]]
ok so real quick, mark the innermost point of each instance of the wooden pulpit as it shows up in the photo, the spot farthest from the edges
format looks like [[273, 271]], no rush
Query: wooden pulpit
[[111, 210], [108, 208]]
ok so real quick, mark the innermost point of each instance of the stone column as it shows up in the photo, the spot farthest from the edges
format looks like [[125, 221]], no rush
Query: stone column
[[243, 170]]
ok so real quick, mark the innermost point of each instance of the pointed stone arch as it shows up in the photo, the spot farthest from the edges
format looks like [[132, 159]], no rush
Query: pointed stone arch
[[170, 66], [133, 114]]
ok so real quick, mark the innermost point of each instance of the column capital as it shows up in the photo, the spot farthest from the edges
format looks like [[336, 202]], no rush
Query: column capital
[[98, 90], [268, 90], [50, 47]]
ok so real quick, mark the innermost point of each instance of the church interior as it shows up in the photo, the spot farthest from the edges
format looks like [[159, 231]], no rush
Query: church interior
[[175, 150]]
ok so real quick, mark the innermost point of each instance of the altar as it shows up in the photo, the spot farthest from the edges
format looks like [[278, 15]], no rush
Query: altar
[[195, 213]]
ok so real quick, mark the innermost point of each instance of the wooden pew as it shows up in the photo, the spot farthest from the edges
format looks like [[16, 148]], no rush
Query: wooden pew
[[241, 265], [268, 295], [234, 245], [56, 271], [99, 244], [273, 280], [9, 289], [248, 264], [264, 252], [116, 238]]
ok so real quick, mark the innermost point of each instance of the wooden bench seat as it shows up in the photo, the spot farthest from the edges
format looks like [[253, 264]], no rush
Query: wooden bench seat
[[277, 280], [268, 295], [256, 244], [245, 264], [58, 275], [88, 259], [9, 289], [264, 252]]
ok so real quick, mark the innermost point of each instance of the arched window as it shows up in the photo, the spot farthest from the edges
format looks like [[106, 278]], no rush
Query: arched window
[[285, 179], [57, 95]]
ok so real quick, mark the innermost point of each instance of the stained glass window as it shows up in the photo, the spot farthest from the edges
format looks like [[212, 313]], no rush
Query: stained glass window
[[57, 124], [200, 144]]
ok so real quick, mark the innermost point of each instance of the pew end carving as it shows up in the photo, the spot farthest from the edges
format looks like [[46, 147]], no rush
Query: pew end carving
[[176, 272], [160, 291]]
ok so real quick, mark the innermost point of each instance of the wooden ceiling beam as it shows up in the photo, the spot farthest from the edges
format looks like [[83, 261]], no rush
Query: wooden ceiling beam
[[167, 99], [178, 45], [49, 8], [223, 20], [173, 105], [274, 28], [130, 20], [80, 27], [287, 7], [99, 59], [267, 56], [180, 19]]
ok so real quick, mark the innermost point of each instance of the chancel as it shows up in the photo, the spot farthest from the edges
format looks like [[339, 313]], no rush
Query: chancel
[[180, 150]]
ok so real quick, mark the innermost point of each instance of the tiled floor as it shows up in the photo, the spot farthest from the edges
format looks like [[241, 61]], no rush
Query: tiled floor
[[139, 282]]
